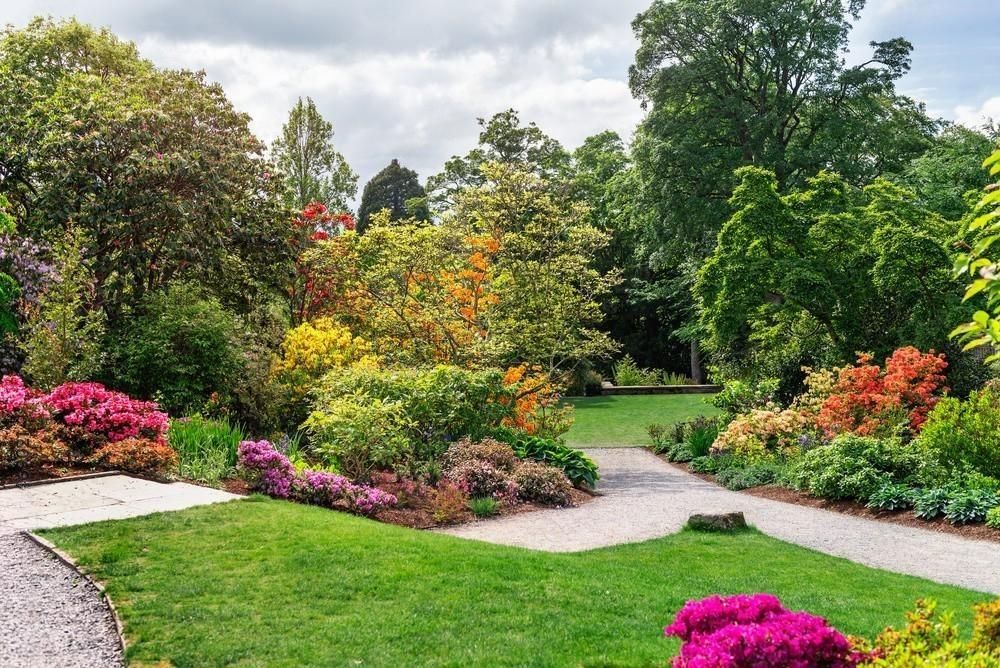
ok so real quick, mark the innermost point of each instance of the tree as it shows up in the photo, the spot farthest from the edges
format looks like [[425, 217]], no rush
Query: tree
[[977, 261], [502, 140], [155, 167], [812, 277], [314, 170], [64, 331], [391, 189], [505, 279], [730, 83], [949, 170]]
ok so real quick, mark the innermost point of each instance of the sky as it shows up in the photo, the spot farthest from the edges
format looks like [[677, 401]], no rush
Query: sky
[[407, 80]]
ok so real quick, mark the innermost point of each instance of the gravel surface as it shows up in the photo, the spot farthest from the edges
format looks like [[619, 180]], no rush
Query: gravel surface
[[49, 615], [644, 497]]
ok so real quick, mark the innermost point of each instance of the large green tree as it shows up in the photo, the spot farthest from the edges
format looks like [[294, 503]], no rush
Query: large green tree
[[730, 83], [391, 189], [816, 275], [505, 140], [313, 169], [158, 172]]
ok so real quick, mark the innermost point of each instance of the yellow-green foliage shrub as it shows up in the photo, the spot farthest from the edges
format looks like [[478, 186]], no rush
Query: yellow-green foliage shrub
[[310, 351]]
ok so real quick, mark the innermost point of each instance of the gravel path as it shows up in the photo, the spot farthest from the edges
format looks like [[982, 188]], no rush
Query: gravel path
[[49, 616], [644, 497]]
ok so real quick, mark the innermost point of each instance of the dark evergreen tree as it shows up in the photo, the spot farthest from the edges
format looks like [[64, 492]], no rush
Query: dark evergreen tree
[[391, 189]]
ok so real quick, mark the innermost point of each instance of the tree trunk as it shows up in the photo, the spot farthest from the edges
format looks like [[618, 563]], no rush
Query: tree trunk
[[696, 374]]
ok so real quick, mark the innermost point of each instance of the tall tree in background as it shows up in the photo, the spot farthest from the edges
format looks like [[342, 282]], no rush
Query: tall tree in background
[[503, 140], [155, 168], [730, 83], [314, 170], [391, 189]]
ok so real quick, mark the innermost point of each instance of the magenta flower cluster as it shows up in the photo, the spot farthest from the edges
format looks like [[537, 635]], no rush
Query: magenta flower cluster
[[98, 410], [15, 395], [272, 473], [756, 631]]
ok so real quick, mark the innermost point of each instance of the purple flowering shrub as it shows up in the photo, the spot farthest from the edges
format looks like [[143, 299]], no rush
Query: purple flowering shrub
[[272, 473], [756, 631]]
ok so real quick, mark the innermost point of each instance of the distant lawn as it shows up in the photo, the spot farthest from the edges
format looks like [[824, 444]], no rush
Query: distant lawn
[[622, 420], [270, 583]]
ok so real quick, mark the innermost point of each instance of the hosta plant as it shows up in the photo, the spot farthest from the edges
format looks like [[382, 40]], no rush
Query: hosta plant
[[929, 504], [891, 496], [967, 506]]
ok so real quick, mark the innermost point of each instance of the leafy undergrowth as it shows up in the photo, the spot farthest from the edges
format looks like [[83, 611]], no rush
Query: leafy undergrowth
[[260, 582], [623, 420]]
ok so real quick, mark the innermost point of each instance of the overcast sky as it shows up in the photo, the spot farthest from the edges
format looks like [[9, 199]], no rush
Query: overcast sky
[[408, 79]]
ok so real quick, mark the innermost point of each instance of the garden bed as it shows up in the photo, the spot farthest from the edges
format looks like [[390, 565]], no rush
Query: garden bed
[[421, 516], [857, 509]]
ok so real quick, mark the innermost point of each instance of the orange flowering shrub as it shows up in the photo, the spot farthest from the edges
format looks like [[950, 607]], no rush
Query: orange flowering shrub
[[869, 401], [136, 455], [536, 403]]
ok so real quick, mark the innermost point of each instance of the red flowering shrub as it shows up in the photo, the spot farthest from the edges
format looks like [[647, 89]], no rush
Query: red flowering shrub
[[756, 631], [136, 455], [868, 401], [93, 415]]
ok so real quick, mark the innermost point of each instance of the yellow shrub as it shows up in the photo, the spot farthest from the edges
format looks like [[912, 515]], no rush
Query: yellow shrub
[[310, 351]]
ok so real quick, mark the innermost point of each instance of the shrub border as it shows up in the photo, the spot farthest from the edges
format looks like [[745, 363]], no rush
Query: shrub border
[[660, 389]]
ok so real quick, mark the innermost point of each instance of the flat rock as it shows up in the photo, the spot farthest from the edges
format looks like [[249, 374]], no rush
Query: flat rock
[[717, 522]]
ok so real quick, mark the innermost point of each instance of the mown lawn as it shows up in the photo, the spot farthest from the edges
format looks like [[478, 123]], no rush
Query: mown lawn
[[622, 420], [269, 583]]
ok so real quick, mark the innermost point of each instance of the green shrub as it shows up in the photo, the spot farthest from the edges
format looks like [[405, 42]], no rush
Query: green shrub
[[993, 518], [711, 464], [181, 349], [542, 484], [929, 504], [627, 372], [435, 406], [681, 452], [206, 449], [891, 496], [967, 506], [578, 467], [358, 437], [967, 432], [754, 475], [700, 434], [484, 506], [854, 467], [738, 396]]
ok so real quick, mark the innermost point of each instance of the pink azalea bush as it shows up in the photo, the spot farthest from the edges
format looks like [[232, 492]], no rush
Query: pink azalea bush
[[14, 395], [272, 473], [756, 631], [105, 413]]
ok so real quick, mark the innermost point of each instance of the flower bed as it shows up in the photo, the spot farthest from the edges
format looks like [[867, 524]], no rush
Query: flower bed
[[78, 426]]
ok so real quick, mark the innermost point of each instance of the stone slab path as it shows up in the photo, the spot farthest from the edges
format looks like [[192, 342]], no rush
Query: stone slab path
[[644, 497], [112, 497]]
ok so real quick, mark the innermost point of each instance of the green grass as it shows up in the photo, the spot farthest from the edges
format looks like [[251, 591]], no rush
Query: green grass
[[622, 420], [270, 583]]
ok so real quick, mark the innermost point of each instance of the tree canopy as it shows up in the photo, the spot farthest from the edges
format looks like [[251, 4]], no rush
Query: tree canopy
[[391, 189], [314, 170]]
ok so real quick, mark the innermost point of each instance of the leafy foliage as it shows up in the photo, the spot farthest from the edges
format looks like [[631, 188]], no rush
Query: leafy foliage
[[542, 483], [206, 449], [814, 276], [966, 432], [314, 170], [976, 262], [855, 467], [578, 467]]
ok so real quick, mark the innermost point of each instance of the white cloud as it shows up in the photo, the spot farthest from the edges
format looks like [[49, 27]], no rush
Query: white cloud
[[977, 117]]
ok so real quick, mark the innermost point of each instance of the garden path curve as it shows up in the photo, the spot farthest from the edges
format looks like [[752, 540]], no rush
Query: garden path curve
[[644, 498], [49, 615]]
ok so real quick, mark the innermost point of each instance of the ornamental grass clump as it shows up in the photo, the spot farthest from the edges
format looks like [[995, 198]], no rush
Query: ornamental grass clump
[[756, 631]]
